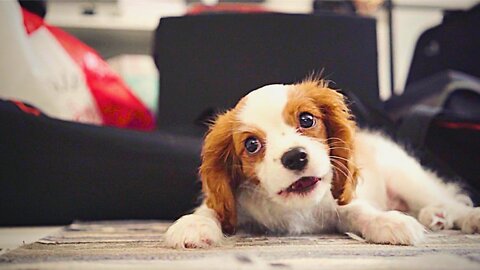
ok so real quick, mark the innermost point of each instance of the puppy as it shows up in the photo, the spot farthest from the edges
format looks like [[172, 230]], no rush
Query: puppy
[[289, 159]]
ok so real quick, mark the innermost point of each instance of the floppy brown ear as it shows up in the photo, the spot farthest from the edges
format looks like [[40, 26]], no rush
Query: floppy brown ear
[[219, 171], [341, 132]]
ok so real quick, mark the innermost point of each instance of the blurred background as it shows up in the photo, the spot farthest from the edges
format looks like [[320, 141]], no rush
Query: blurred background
[[125, 27], [104, 103]]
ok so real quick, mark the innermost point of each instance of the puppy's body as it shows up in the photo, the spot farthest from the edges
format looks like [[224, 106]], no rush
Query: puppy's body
[[288, 159]]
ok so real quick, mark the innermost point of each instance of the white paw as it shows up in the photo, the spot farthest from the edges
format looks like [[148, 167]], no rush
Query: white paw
[[471, 223], [194, 231], [435, 218], [395, 228]]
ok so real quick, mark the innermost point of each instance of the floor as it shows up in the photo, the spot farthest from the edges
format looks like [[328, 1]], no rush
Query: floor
[[14, 237], [139, 245]]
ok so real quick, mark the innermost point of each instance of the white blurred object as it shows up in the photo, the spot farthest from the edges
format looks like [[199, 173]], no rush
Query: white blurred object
[[35, 69], [136, 15], [141, 75], [210, 2]]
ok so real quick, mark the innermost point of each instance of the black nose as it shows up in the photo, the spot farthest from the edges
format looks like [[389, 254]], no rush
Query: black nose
[[295, 159]]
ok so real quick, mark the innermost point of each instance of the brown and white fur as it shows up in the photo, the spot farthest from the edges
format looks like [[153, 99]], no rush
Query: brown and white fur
[[344, 179]]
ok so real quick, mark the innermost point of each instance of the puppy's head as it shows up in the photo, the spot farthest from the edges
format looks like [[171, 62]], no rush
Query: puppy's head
[[294, 142]]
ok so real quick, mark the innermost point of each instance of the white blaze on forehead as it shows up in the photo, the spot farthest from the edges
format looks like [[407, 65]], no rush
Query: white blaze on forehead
[[263, 107]]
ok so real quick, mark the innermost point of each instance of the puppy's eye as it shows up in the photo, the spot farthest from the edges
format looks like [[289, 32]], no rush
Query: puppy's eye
[[306, 120], [252, 145]]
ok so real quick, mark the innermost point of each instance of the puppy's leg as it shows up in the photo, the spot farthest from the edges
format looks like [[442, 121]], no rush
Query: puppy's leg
[[198, 230], [437, 205], [451, 214], [376, 226]]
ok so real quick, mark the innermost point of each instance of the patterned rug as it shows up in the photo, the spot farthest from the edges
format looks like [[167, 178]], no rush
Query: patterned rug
[[139, 244]]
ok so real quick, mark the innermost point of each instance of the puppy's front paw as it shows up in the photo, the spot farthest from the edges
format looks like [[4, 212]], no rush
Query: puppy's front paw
[[435, 218], [393, 227], [471, 223], [194, 231]]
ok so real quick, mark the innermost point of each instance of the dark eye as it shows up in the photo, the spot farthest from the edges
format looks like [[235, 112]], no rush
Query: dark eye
[[307, 120], [252, 145]]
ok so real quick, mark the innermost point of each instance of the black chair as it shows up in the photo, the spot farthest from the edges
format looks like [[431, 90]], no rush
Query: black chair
[[208, 62]]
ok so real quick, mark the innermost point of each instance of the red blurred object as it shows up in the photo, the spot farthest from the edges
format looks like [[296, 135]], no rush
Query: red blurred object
[[226, 8], [118, 106], [459, 125], [27, 108]]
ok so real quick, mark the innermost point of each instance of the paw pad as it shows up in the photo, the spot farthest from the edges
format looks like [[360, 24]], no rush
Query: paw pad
[[434, 218]]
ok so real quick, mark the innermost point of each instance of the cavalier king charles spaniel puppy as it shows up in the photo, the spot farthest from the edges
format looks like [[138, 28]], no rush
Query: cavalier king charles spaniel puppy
[[289, 159]]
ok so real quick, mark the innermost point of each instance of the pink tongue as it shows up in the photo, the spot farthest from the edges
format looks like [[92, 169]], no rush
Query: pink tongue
[[303, 183]]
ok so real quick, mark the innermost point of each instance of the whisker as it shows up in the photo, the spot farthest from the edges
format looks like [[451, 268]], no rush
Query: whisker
[[339, 147], [341, 158], [343, 172], [336, 138], [338, 144], [334, 144], [338, 215], [340, 163], [331, 140]]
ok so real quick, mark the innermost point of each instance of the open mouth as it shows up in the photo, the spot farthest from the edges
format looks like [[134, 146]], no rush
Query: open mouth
[[302, 185]]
